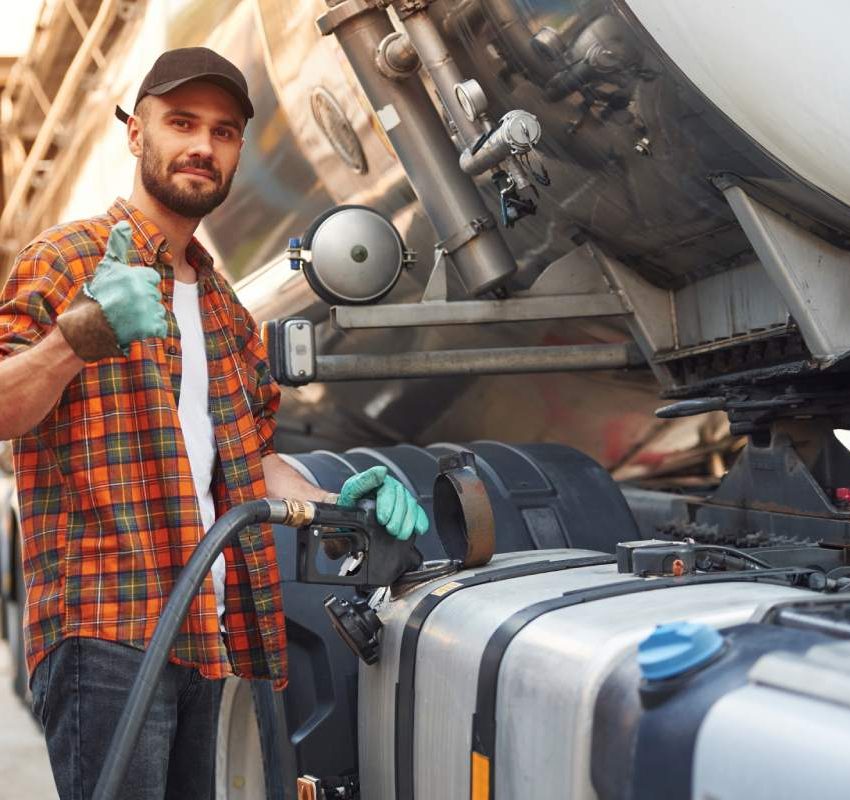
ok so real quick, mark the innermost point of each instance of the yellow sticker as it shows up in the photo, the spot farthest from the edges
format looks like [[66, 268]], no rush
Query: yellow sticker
[[480, 784], [446, 588]]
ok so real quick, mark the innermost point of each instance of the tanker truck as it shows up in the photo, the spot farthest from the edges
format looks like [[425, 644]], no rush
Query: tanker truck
[[510, 250]]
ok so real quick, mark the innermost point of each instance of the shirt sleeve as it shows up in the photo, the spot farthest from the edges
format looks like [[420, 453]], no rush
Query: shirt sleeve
[[265, 400], [39, 287], [264, 391]]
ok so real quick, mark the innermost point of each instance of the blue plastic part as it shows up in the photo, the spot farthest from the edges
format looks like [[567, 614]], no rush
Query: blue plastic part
[[294, 244], [677, 647]]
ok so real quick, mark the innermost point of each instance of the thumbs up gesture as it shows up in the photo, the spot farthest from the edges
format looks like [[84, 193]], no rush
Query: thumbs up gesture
[[120, 305]]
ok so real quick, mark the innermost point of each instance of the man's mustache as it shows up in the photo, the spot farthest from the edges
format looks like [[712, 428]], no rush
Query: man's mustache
[[196, 163]]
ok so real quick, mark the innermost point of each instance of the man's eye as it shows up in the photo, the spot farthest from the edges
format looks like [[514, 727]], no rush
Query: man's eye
[[224, 133], [183, 124]]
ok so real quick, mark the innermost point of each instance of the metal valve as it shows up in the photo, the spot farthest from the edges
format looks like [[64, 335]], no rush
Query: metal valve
[[518, 133]]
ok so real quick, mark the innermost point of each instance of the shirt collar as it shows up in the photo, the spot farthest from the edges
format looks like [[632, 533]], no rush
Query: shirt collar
[[150, 241]]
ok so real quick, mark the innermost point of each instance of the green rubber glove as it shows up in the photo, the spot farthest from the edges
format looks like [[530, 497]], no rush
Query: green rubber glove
[[129, 296], [397, 509]]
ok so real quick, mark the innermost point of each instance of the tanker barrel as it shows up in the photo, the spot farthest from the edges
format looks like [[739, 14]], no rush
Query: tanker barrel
[[464, 226]]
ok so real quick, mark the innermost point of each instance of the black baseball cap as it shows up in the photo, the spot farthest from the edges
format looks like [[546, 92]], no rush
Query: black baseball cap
[[176, 67]]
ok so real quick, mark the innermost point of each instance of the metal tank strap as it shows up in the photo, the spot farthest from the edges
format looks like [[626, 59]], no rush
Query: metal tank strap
[[405, 702], [483, 755]]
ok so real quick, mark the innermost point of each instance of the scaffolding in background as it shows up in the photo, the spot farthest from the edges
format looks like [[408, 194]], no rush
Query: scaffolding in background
[[48, 107]]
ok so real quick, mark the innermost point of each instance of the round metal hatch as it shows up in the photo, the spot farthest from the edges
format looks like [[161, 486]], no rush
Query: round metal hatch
[[356, 255]]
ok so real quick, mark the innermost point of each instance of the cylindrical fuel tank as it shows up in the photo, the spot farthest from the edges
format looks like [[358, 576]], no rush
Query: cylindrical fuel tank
[[488, 679]]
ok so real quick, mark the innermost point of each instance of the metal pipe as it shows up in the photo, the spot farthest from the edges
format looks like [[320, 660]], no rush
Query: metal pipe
[[423, 146], [489, 361], [443, 69]]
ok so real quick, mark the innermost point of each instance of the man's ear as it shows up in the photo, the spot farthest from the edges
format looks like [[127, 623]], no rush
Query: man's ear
[[135, 135]]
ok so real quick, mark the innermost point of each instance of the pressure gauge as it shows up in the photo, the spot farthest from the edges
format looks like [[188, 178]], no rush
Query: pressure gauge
[[472, 99]]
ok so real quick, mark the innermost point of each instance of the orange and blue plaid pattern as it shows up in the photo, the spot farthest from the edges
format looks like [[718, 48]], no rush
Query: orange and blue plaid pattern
[[108, 506]]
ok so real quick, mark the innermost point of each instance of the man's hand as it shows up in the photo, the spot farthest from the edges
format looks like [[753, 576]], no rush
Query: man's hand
[[121, 304], [397, 509]]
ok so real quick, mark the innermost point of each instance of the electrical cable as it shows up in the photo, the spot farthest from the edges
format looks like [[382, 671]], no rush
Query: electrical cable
[[732, 551]]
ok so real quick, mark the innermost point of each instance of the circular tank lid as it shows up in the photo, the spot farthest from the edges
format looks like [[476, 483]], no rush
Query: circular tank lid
[[677, 647], [357, 255]]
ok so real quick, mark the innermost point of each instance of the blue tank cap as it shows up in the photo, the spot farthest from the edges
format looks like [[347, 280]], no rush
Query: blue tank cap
[[677, 647]]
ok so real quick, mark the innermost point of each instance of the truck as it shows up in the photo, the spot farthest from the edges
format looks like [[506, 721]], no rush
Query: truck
[[556, 213]]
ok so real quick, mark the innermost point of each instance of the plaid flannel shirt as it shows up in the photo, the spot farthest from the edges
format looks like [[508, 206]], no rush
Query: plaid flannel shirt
[[108, 506]]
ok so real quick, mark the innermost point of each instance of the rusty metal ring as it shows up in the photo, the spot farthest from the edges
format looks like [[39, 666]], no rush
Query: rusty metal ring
[[462, 511]]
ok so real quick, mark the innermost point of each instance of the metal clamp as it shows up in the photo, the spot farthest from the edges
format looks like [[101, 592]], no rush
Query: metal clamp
[[296, 255], [466, 234], [337, 15], [396, 57]]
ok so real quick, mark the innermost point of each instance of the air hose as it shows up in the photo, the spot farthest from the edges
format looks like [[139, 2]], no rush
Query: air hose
[[285, 512]]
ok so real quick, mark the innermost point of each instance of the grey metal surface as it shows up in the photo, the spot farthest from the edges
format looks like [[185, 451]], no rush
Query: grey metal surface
[[812, 275], [829, 682], [761, 743], [731, 303], [578, 648], [377, 684], [416, 131], [492, 361], [469, 312], [551, 671], [356, 254]]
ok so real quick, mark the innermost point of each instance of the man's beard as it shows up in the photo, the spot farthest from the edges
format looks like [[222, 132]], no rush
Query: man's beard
[[187, 202]]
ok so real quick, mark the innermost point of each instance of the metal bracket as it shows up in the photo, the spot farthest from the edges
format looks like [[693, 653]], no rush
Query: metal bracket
[[652, 320], [812, 275], [467, 233], [437, 288]]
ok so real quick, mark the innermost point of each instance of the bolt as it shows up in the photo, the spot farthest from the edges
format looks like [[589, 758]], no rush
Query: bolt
[[643, 146], [359, 253]]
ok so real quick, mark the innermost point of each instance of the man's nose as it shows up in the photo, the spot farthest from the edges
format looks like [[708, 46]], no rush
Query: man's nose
[[201, 144]]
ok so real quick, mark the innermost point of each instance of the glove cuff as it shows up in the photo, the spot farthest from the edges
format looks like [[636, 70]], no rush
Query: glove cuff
[[87, 330]]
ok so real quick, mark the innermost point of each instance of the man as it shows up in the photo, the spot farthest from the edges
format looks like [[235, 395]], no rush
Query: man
[[138, 394]]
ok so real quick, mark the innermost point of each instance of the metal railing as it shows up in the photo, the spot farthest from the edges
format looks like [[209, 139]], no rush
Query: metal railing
[[42, 107]]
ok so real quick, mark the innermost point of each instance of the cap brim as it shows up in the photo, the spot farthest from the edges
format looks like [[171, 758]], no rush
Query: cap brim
[[226, 83], [121, 114]]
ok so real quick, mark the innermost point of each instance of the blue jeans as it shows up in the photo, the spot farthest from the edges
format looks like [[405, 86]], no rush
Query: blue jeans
[[79, 691]]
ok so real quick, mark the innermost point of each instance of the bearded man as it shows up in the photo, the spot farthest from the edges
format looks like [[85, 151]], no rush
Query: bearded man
[[137, 391]]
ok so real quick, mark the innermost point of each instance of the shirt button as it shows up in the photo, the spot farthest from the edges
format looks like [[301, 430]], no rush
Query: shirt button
[[172, 350]]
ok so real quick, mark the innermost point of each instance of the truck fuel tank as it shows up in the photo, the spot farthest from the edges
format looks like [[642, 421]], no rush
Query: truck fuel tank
[[488, 679]]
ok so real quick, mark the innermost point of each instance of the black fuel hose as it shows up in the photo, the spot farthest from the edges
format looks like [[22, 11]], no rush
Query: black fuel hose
[[141, 695]]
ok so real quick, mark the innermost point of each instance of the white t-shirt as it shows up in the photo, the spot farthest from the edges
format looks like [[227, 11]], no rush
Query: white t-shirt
[[193, 411]]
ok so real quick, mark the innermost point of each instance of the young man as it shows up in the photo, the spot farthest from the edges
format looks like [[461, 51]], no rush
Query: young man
[[138, 394]]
